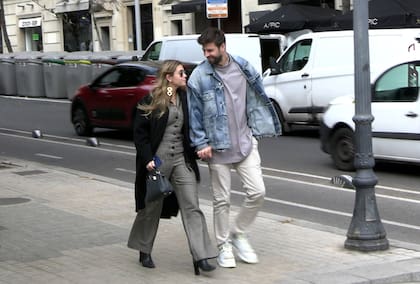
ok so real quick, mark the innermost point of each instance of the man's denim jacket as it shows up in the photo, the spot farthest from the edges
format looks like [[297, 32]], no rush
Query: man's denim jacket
[[207, 107]]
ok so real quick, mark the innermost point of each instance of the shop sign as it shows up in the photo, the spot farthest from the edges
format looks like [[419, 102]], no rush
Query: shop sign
[[30, 23]]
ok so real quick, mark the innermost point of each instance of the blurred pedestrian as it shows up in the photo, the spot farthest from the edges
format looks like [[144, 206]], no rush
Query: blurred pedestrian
[[229, 111], [161, 130]]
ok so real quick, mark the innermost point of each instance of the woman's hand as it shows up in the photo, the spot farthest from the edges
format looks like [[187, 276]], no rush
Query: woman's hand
[[205, 153], [150, 166]]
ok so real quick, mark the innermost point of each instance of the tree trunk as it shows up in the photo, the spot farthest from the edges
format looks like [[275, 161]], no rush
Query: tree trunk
[[3, 28]]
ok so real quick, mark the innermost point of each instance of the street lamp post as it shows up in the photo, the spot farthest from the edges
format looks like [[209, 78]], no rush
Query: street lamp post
[[366, 232]]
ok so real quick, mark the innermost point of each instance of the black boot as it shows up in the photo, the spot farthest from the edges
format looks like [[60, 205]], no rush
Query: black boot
[[146, 260], [203, 265]]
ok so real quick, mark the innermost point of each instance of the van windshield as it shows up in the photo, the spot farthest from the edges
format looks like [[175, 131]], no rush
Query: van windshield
[[153, 52], [296, 57]]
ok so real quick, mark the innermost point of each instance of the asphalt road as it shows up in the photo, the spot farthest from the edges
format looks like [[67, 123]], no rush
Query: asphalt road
[[297, 173]]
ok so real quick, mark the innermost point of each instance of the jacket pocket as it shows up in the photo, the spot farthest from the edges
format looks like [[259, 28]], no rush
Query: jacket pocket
[[209, 104]]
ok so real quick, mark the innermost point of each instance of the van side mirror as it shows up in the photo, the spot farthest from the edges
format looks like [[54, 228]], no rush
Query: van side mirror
[[274, 66]]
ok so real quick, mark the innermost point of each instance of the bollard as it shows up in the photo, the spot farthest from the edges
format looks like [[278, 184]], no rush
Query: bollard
[[36, 133]]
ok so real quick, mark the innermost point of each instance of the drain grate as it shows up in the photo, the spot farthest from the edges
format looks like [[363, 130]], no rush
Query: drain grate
[[13, 200], [28, 173]]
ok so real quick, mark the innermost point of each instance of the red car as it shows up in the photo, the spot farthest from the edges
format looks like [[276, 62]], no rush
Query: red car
[[110, 101]]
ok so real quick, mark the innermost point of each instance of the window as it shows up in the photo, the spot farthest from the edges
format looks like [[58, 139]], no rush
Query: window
[[399, 84], [109, 79], [77, 31], [130, 77], [121, 77], [154, 52], [296, 57]]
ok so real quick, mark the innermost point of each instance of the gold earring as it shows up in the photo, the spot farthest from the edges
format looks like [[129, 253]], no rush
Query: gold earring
[[169, 91]]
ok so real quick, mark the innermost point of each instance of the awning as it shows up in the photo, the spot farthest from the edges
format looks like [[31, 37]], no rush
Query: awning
[[192, 6], [292, 17], [71, 5]]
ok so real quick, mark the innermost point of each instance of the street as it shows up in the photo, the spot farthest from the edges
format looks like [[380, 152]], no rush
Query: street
[[297, 174]]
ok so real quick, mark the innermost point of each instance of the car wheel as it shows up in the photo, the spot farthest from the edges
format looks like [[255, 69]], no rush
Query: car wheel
[[342, 149], [81, 122], [284, 125]]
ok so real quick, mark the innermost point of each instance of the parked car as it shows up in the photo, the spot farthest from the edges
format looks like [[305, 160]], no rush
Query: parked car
[[110, 101], [396, 125]]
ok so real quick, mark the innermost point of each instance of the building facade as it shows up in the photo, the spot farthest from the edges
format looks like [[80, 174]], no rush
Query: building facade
[[97, 25]]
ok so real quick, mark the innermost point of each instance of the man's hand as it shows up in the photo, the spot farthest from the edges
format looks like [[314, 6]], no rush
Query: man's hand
[[205, 153]]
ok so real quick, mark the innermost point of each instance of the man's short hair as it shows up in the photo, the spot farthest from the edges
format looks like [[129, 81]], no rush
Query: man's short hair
[[212, 35]]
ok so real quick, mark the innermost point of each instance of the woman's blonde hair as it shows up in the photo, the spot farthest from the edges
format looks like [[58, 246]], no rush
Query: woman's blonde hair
[[160, 100]]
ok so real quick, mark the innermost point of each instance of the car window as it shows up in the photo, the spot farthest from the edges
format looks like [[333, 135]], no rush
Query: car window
[[399, 84], [153, 52], [130, 77], [121, 77], [109, 79], [296, 57]]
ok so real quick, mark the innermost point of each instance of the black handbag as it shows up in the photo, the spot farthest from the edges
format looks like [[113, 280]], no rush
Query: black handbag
[[157, 186]]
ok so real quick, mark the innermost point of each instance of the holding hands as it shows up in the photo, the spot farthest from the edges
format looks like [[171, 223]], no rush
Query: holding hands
[[205, 153]]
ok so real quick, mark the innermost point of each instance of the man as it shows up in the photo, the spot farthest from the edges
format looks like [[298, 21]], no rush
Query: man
[[229, 111]]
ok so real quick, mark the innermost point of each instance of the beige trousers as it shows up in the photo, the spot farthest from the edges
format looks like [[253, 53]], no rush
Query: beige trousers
[[249, 171]]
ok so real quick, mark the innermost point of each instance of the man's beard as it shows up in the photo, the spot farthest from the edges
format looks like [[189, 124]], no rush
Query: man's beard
[[215, 60]]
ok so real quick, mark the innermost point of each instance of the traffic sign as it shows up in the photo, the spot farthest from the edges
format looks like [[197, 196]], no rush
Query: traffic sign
[[217, 9]]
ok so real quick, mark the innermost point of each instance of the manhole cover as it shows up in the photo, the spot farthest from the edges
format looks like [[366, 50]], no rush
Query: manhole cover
[[13, 200]]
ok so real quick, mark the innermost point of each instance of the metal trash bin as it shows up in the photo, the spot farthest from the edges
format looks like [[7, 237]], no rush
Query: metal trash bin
[[102, 61], [7, 74], [130, 56], [29, 75], [54, 75], [78, 71]]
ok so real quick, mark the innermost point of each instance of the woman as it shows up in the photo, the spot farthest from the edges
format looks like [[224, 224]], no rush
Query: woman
[[161, 130]]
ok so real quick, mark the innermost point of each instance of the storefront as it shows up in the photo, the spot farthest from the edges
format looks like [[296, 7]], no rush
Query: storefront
[[32, 33]]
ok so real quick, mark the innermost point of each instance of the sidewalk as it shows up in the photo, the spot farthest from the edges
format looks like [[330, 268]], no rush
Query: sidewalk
[[72, 227]]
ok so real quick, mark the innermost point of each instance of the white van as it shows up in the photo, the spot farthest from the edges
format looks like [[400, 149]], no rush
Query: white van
[[319, 67], [186, 48]]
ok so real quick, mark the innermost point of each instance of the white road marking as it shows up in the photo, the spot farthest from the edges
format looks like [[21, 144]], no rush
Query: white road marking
[[125, 170], [48, 156], [69, 138], [272, 177], [72, 145], [329, 211], [341, 188], [328, 178], [389, 188], [63, 101]]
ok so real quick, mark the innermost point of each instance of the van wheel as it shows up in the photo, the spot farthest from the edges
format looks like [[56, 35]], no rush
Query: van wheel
[[81, 122], [342, 150], [284, 125]]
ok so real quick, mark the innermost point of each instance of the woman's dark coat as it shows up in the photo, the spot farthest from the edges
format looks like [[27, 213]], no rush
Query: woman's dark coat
[[148, 133]]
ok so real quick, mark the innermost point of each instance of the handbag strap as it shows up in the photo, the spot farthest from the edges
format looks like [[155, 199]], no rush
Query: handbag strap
[[154, 172]]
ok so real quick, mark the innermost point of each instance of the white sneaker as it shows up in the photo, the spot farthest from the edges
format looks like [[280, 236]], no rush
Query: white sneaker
[[226, 258], [244, 250]]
